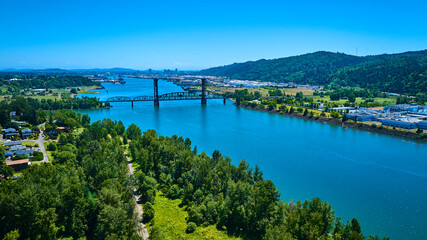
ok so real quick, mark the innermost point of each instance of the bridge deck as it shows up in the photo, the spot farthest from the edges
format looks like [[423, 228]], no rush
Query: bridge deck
[[165, 97]]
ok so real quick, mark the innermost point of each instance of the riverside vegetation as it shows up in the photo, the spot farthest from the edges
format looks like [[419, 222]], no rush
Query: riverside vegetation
[[306, 107], [85, 192]]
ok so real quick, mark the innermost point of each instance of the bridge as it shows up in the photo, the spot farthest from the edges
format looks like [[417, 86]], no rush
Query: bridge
[[173, 96]]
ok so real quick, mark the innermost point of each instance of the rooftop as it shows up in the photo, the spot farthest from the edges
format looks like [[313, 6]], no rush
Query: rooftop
[[16, 162]]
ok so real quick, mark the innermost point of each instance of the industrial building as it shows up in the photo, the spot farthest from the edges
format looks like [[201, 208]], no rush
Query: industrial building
[[407, 116]]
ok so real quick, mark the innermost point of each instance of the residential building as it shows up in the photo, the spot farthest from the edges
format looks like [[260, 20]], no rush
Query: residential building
[[18, 165], [10, 133], [25, 133]]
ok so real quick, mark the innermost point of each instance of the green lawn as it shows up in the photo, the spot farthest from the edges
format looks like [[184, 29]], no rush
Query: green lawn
[[88, 90], [263, 91], [28, 143], [171, 222], [384, 101], [78, 131]]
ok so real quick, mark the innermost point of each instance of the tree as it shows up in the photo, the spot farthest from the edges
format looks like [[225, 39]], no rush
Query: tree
[[305, 112], [12, 235], [277, 233], [344, 118], [85, 120], [6, 171], [191, 227], [45, 227], [147, 188], [335, 115], [351, 97], [51, 146], [133, 132], [272, 106], [283, 109], [148, 213]]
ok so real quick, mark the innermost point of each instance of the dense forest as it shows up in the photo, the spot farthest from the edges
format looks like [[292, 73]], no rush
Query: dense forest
[[404, 73], [43, 81], [31, 109], [83, 193]]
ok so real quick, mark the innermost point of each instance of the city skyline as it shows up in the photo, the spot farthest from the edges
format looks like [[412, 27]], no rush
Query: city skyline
[[192, 35]]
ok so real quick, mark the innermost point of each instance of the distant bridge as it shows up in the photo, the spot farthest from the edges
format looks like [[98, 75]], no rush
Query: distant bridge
[[173, 96]]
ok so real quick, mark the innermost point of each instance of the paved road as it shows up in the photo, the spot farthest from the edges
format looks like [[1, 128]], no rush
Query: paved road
[[142, 231], [40, 142]]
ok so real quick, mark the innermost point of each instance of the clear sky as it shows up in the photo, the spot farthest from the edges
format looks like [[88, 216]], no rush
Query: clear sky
[[199, 34]]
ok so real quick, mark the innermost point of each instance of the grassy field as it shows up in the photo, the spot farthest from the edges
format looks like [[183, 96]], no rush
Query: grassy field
[[87, 90], [56, 93], [28, 143], [263, 91], [78, 131], [171, 222], [385, 101]]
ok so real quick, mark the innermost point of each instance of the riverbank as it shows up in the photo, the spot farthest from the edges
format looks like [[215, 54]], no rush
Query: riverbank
[[348, 124]]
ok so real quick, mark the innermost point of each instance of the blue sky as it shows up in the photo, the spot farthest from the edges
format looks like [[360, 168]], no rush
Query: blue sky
[[199, 34]]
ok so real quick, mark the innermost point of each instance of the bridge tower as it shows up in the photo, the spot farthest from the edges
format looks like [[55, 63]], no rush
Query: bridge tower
[[156, 92], [203, 91]]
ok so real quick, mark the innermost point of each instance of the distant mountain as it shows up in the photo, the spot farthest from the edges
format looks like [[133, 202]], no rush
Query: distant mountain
[[401, 73], [70, 70], [105, 70]]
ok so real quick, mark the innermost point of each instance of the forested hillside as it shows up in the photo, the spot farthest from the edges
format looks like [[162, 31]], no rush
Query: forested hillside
[[402, 73], [406, 74]]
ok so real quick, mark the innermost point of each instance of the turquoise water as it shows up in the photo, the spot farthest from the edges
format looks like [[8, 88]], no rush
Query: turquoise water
[[380, 180]]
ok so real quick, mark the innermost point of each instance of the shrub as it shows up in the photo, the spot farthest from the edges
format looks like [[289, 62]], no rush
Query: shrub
[[191, 227], [335, 115], [148, 213], [37, 156], [51, 146]]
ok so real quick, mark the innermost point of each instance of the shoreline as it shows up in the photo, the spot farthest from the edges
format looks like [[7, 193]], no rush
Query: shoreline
[[336, 122]]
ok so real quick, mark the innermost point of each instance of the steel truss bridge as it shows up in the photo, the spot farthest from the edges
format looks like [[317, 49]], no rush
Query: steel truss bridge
[[173, 96]]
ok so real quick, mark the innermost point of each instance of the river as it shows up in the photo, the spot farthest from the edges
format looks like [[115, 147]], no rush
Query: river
[[380, 180]]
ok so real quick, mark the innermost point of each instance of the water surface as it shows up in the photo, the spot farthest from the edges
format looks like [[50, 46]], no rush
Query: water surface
[[380, 180]]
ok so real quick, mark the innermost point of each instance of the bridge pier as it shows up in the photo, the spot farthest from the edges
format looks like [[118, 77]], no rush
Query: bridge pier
[[132, 103], [224, 99], [156, 93], [203, 91]]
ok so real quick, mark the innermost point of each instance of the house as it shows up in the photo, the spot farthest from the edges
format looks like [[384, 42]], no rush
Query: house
[[13, 113], [25, 133], [12, 143], [10, 133], [23, 152], [53, 134], [62, 129], [20, 152], [16, 148], [18, 165], [18, 122], [8, 154]]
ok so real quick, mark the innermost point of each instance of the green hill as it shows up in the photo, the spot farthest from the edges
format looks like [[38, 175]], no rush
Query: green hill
[[401, 73]]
